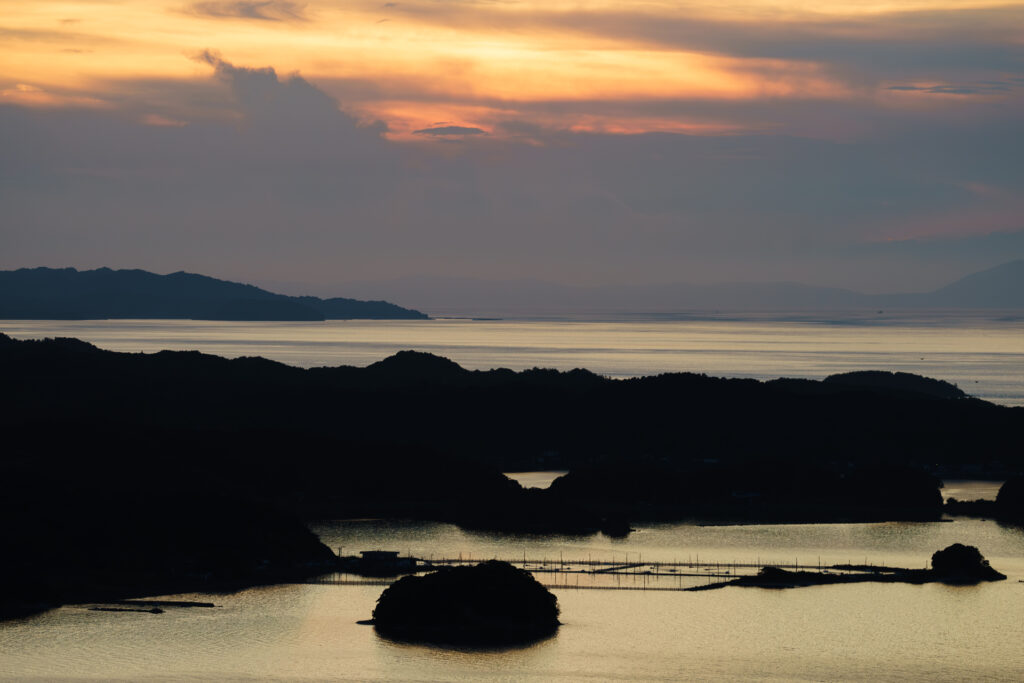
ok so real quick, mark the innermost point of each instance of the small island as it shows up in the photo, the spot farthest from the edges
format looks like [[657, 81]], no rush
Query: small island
[[957, 564], [486, 605]]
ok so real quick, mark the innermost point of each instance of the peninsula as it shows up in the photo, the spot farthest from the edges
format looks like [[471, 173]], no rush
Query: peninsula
[[70, 294], [956, 564]]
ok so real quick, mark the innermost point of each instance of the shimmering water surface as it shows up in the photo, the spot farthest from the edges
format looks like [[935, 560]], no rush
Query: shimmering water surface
[[535, 480], [983, 355], [863, 632], [971, 489]]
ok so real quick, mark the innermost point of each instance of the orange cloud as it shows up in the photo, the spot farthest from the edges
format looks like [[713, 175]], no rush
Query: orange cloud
[[33, 96], [431, 61]]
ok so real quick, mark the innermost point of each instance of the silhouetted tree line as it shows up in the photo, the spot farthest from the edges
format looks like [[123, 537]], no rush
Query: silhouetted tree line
[[529, 419]]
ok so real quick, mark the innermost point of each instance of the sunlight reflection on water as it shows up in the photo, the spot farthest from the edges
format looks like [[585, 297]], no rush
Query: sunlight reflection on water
[[984, 357], [309, 632]]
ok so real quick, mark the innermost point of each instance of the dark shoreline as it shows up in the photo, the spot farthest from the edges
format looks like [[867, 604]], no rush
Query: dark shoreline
[[144, 595]]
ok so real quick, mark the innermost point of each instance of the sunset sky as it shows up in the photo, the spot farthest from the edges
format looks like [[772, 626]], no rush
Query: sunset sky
[[872, 145]]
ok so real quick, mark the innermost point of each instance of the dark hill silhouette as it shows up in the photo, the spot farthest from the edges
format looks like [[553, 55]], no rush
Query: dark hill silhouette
[[95, 439], [406, 366], [765, 490], [67, 293], [529, 419], [1010, 500], [91, 532], [896, 382]]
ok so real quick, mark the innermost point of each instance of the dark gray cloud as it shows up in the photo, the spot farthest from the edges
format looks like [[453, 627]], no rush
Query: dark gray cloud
[[290, 106], [444, 131], [288, 186], [264, 10], [869, 48], [982, 88]]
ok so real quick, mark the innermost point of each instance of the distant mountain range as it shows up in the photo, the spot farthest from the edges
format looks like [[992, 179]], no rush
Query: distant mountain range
[[70, 294], [1001, 287], [67, 293]]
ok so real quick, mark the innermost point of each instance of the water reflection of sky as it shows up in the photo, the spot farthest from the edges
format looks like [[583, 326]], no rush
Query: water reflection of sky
[[967, 489], [859, 632], [538, 480], [863, 632]]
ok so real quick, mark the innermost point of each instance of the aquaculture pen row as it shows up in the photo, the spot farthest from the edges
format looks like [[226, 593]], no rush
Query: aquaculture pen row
[[673, 568], [636, 566], [640, 584], [610, 574]]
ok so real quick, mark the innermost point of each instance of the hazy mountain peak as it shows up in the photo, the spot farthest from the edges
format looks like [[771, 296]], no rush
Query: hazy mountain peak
[[998, 287]]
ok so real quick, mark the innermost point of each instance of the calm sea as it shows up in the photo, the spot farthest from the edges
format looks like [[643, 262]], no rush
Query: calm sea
[[983, 355], [862, 632]]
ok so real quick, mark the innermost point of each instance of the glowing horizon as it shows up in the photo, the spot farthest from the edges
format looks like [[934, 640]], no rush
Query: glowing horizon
[[413, 64]]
